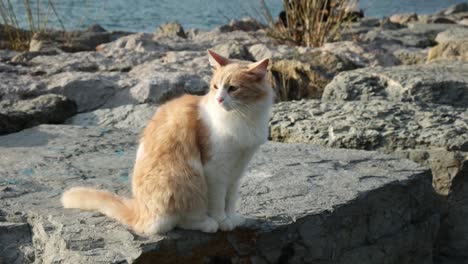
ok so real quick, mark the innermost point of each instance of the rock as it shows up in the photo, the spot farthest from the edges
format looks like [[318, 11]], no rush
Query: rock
[[245, 24], [404, 18], [364, 55], [158, 83], [139, 42], [307, 76], [441, 20], [171, 29], [456, 50], [417, 34], [459, 33], [411, 56], [458, 8], [132, 117], [72, 41], [89, 91], [120, 61], [334, 206], [463, 22], [45, 109], [17, 85], [233, 50], [371, 125], [442, 83]]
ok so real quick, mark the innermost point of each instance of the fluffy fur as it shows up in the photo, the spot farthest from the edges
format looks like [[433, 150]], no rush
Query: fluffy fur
[[192, 155]]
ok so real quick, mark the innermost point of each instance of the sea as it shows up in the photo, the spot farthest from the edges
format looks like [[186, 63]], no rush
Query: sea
[[146, 15]]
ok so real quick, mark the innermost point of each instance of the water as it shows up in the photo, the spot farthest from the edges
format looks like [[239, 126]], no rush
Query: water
[[145, 15]]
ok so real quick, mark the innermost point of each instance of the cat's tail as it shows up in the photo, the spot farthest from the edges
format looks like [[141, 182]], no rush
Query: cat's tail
[[119, 208]]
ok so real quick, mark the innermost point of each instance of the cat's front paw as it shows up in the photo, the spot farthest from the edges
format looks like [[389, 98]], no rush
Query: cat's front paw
[[209, 225], [226, 224]]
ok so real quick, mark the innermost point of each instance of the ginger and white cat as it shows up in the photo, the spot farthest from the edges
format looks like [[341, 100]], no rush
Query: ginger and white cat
[[192, 155]]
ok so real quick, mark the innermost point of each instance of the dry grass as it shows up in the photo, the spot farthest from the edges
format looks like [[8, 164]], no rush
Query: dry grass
[[310, 22], [37, 13]]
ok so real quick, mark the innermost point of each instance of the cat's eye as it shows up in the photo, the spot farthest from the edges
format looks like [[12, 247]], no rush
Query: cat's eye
[[215, 87], [232, 89]]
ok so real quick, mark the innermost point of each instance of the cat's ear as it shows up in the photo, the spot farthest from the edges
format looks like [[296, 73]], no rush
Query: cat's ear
[[259, 69], [217, 60]]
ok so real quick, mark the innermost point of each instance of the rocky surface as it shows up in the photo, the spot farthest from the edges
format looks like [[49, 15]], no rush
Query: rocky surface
[[415, 112], [433, 83], [409, 100], [45, 109], [304, 204]]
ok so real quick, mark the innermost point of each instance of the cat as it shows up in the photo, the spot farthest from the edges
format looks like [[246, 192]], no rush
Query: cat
[[192, 155]]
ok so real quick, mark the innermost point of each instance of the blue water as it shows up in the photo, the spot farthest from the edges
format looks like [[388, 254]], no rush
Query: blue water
[[145, 15]]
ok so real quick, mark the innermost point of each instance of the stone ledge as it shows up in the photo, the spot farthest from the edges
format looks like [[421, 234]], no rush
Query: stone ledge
[[304, 203]]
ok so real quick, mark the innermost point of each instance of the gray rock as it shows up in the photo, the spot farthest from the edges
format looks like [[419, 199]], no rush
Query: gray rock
[[462, 7], [121, 61], [411, 56], [442, 83], [404, 18], [159, 82], [233, 50], [16, 85], [171, 29], [365, 54], [304, 204], [371, 125], [417, 35], [456, 50], [45, 109], [89, 91], [245, 24], [72, 41], [453, 34], [433, 135], [132, 117]]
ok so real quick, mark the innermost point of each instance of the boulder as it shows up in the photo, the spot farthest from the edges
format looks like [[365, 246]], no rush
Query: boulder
[[171, 29], [88, 90], [404, 18], [304, 204], [442, 83], [45, 109], [364, 54], [139, 42], [451, 34], [417, 34], [132, 117], [16, 84], [72, 41], [233, 50], [411, 56], [457, 8], [456, 50], [245, 24]]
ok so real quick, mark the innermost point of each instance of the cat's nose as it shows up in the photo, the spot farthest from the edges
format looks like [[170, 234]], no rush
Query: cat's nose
[[220, 100]]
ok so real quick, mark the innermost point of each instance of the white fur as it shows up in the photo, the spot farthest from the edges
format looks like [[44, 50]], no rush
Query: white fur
[[163, 224], [234, 139], [140, 152]]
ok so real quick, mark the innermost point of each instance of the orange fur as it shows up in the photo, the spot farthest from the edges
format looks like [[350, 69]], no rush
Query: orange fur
[[168, 177]]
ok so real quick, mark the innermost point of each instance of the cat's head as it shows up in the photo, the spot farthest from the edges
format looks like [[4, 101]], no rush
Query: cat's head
[[238, 84]]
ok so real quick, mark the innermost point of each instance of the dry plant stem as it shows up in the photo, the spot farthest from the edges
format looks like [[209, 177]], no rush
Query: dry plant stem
[[310, 22], [37, 15]]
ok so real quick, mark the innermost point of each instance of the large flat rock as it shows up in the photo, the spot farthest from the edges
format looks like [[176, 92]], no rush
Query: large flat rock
[[305, 204], [441, 83]]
